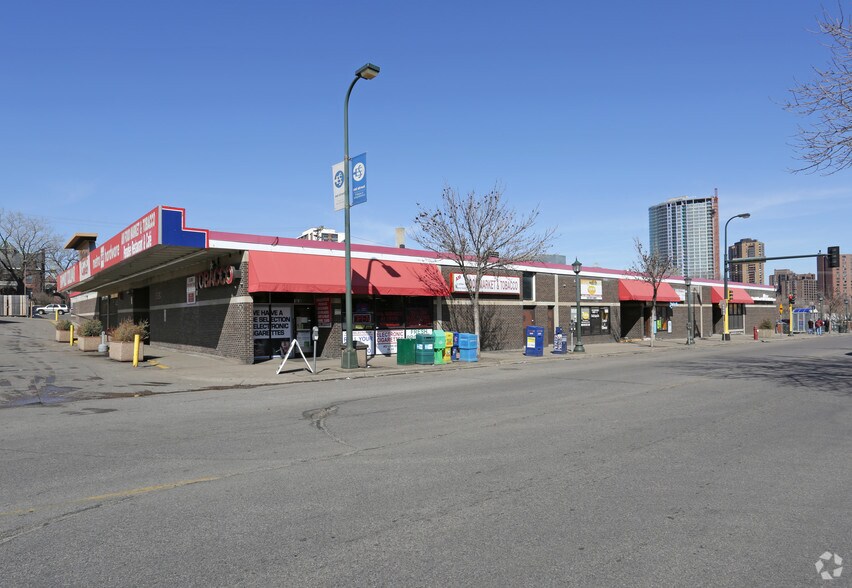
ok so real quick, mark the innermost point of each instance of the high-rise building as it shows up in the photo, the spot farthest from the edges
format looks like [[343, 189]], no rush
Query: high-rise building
[[747, 273], [322, 234], [802, 286], [835, 281], [687, 230]]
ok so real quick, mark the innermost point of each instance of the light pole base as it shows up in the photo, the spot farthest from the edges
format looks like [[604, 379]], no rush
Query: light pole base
[[726, 336], [578, 348], [349, 359]]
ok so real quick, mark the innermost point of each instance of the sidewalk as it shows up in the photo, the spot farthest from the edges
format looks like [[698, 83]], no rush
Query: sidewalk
[[205, 371], [37, 370]]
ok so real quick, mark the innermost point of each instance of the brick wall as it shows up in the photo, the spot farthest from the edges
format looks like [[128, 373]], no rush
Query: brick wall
[[219, 322]]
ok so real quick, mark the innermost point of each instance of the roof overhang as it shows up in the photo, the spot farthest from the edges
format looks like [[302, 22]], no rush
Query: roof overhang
[[79, 239], [157, 240]]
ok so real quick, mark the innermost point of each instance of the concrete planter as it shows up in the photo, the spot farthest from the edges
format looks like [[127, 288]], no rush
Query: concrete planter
[[123, 350], [63, 336], [88, 343], [765, 333]]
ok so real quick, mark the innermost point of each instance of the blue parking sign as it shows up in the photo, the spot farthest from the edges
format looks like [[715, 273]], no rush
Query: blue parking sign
[[359, 178]]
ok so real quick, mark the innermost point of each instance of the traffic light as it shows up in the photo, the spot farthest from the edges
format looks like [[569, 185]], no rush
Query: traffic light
[[730, 294], [792, 299], [780, 309], [834, 256]]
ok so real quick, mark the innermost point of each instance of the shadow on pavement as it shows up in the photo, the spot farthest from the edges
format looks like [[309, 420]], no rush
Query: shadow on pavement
[[830, 374]]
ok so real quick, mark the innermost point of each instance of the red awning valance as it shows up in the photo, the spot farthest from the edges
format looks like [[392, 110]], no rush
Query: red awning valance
[[324, 274], [740, 295], [643, 291]]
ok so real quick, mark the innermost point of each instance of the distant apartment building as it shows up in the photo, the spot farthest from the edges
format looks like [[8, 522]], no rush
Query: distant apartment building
[[687, 230], [835, 281], [747, 273], [322, 234], [802, 286]]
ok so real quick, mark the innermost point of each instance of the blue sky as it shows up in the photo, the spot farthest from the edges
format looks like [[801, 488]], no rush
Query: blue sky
[[592, 111]]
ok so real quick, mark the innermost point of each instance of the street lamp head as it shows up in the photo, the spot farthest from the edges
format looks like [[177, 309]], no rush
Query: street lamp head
[[687, 281], [368, 71], [744, 215], [577, 266]]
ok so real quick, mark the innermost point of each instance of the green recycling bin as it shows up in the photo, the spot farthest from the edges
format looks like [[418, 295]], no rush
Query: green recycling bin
[[405, 351], [424, 353], [438, 343]]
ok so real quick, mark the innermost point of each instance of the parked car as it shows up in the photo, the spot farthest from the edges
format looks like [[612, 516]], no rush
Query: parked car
[[52, 308]]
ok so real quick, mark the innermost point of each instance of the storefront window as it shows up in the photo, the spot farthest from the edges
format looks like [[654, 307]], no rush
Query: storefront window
[[595, 320], [528, 287], [390, 313], [664, 317], [418, 313]]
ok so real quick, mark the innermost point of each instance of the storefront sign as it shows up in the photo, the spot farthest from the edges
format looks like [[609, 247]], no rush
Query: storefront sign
[[386, 340], [591, 290], [190, 290], [218, 276], [163, 225], [324, 312], [488, 284]]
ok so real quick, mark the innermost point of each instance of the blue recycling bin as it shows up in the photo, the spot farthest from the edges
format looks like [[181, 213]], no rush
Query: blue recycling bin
[[560, 343], [534, 345], [454, 352]]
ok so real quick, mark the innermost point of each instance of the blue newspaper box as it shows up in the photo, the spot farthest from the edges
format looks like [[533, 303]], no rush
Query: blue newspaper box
[[534, 345], [560, 344]]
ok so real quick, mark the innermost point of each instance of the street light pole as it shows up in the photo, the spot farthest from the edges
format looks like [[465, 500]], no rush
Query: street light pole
[[349, 358], [726, 335], [578, 348], [689, 320]]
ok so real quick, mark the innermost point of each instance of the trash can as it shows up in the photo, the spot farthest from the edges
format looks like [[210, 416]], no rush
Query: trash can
[[560, 344], [423, 349], [534, 341], [467, 347], [405, 351], [438, 344]]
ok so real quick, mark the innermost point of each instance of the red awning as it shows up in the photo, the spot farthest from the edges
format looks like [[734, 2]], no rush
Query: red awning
[[644, 292], [324, 274], [740, 295]]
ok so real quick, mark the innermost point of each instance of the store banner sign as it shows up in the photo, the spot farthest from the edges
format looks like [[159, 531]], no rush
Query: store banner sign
[[386, 340], [488, 284], [359, 179], [338, 183], [273, 321], [365, 337], [323, 305], [591, 290]]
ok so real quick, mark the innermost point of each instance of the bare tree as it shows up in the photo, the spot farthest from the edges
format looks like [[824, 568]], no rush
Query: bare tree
[[827, 144], [26, 242], [836, 309], [652, 268], [481, 234]]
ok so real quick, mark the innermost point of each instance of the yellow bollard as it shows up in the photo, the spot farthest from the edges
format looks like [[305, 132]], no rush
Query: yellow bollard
[[135, 350], [57, 316], [71, 336]]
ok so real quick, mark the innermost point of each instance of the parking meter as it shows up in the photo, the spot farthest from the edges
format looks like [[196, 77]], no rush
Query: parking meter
[[315, 337]]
